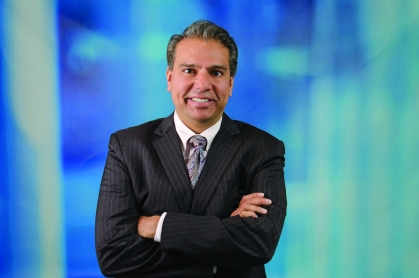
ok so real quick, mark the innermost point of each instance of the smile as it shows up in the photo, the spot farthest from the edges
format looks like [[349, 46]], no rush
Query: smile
[[200, 99]]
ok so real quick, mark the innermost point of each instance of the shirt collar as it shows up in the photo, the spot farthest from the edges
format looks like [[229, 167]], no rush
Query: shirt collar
[[185, 132]]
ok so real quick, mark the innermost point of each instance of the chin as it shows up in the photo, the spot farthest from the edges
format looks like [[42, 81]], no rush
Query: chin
[[202, 119], [202, 116]]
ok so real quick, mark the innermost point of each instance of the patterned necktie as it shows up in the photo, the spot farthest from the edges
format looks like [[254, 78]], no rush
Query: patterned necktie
[[197, 160]]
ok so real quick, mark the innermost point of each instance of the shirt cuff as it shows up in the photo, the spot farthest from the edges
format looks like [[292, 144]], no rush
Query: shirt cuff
[[157, 236]]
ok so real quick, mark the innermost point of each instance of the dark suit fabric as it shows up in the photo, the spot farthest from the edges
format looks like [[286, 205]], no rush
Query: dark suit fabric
[[145, 174]]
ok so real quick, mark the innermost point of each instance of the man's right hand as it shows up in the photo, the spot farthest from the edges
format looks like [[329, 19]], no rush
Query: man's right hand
[[251, 204], [147, 225]]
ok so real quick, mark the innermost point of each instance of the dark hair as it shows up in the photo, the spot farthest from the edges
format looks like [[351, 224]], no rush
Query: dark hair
[[208, 31]]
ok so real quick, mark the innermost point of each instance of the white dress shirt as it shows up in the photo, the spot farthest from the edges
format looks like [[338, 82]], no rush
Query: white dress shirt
[[185, 133]]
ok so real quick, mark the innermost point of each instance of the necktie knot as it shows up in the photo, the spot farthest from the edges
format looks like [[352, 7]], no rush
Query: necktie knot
[[198, 141]]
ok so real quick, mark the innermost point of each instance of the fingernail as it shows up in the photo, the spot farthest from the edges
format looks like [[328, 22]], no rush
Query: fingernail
[[264, 210], [261, 194], [268, 201]]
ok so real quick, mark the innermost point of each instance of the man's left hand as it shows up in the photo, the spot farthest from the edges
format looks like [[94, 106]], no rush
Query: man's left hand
[[251, 204]]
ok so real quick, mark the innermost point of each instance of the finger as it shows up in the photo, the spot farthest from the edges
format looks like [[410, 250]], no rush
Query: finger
[[256, 201], [234, 213], [239, 210], [245, 198], [255, 194], [248, 207], [256, 209], [252, 195]]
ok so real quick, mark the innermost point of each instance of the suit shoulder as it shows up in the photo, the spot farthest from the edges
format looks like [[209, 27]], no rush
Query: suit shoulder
[[142, 131], [248, 131]]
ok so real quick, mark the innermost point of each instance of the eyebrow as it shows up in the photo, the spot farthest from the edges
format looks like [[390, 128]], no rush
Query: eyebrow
[[219, 67], [187, 65], [211, 67]]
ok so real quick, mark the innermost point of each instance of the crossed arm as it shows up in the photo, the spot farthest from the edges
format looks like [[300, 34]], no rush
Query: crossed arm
[[250, 206], [250, 233]]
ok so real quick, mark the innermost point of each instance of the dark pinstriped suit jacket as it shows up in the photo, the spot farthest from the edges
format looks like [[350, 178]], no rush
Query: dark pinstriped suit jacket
[[145, 174]]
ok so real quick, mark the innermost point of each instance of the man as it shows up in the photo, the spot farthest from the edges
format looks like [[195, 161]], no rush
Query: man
[[195, 194]]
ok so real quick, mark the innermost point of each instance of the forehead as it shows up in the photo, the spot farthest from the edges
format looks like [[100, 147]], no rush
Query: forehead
[[197, 49]]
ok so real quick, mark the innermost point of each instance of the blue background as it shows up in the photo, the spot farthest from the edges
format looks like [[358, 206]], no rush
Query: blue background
[[337, 81]]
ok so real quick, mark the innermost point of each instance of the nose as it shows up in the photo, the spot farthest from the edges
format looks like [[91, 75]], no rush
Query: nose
[[203, 81]]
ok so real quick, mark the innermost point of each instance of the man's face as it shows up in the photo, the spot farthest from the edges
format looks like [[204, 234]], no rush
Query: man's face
[[200, 82]]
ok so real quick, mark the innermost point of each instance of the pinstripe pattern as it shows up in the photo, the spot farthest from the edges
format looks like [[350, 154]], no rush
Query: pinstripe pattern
[[145, 174]]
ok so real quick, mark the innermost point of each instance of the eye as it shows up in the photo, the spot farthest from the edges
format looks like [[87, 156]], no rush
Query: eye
[[188, 70], [217, 73]]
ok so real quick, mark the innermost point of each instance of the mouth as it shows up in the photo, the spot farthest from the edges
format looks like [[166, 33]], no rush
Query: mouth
[[200, 100]]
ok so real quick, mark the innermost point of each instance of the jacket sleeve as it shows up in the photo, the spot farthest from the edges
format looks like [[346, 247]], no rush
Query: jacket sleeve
[[235, 242], [120, 249]]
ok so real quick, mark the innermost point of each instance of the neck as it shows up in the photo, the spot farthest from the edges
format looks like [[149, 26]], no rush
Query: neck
[[197, 126]]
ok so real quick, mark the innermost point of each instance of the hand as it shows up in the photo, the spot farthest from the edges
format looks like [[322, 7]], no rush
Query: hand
[[251, 204], [147, 226]]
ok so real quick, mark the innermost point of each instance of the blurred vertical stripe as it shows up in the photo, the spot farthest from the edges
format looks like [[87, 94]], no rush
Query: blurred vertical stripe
[[33, 139], [337, 81]]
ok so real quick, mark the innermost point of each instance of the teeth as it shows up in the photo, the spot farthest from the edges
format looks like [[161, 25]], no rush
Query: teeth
[[200, 99]]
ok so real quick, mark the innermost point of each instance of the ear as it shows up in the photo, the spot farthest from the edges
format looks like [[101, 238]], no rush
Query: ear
[[168, 78], [231, 86]]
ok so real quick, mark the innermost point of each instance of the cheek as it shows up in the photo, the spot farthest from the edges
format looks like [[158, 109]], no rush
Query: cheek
[[181, 87], [226, 93], [176, 97]]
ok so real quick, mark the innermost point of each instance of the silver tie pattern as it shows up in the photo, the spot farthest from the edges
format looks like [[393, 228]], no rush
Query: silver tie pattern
[[197, 160]]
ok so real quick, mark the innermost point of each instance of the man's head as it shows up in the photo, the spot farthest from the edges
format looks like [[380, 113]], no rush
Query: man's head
[[200, 76], [206, 30]]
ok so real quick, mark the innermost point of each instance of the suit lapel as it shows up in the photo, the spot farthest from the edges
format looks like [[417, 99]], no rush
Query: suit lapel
[[169, 152], [222, 151]]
